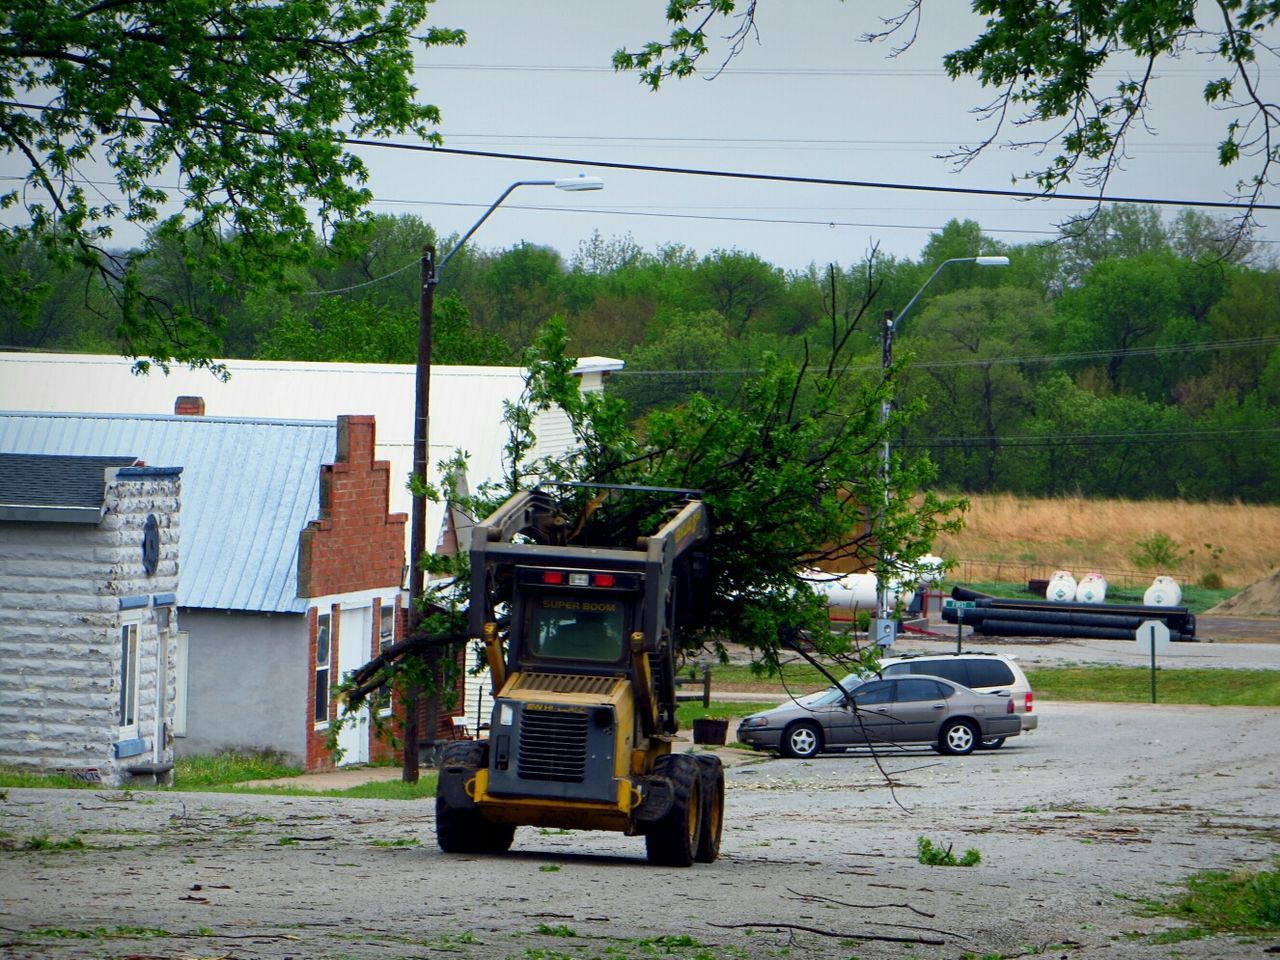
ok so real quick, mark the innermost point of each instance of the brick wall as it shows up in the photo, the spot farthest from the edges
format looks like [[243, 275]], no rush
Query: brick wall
[[318, 755], [355, 544]]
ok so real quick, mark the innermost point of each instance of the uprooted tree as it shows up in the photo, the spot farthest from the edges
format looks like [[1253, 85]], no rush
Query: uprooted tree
[[790, 469]]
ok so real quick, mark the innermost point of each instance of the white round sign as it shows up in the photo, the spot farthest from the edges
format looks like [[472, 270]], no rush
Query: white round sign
[[1152, 633]]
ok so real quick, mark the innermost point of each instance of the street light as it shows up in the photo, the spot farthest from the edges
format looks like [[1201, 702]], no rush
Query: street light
[[884, 630], [421, 430]]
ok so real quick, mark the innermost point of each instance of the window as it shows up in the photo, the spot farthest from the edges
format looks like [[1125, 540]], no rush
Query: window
[[989, 673], [954, 670], [920, 689], [572, 629], [323, 655], [386, 637], [877, 691], [128, 712]]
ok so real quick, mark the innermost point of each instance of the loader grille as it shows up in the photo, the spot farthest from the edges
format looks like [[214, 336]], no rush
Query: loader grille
[[567, 683], [553, 746]]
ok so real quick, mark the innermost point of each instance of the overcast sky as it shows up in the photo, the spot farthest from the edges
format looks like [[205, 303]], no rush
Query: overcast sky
[[809, 99]]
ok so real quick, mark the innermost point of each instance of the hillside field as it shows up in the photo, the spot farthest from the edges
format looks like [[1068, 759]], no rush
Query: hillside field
[[1009, 538]]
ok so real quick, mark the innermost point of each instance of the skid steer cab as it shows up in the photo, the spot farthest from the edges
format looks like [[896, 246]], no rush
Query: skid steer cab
[[584, 716]]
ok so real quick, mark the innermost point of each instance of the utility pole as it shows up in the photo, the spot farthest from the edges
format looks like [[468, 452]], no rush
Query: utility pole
[[418, 524]]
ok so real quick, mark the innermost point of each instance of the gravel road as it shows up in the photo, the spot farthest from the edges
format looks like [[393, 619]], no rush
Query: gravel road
[[1103, 806]]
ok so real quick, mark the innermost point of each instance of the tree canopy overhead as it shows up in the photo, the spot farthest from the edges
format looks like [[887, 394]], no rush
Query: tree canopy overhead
[[242, 106], [1054, 62]]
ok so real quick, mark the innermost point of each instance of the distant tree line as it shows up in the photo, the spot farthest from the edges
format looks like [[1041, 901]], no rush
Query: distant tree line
[[1137, 358]]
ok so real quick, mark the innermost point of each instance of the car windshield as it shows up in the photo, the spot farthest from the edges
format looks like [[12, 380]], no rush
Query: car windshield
[[832, 695]]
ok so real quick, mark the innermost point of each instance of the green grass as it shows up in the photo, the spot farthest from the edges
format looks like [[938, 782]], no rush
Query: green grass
[[12, 777], [933, 855], [686, 713], [1217, 901], [227, 771], [1231, 688], [229, 767], [799, 676], [1212, 687]]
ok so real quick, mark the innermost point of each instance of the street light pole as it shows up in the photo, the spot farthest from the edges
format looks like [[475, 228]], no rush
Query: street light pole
[[421, 433], [891, 324]]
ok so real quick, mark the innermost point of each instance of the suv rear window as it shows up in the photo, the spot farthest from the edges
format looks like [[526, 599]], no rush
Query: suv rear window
[[989, 673], [968, 671], [953, 670]]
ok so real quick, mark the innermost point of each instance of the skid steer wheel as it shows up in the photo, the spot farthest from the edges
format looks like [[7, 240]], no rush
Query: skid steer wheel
[[467, 831], [673, 841], [712, 808]]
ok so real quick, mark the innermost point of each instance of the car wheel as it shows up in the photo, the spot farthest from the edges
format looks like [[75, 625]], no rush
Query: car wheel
[[994, 744], [958, 737], [803, 740]]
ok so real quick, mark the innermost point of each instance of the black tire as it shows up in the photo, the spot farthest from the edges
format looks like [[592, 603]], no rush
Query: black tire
[[466, 830], [802, 740], [674, 840], [958, 738], [993, 744], [712, 808]]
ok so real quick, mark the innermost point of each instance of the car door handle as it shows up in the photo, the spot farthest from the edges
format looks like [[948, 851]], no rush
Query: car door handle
[[939, 706]]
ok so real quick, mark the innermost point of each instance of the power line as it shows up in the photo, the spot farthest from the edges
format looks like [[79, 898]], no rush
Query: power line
[[808, 181], [1031, 441], [738, 70], [1205, 346]]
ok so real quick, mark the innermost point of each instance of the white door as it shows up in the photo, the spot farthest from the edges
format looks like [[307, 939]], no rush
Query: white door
[[354, 644]]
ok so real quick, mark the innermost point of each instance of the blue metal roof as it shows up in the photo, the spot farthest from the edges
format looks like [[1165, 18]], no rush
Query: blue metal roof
[[248, 488]]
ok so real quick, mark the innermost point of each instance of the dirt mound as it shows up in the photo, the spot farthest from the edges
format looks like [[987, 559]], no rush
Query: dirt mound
[[1261, 599]]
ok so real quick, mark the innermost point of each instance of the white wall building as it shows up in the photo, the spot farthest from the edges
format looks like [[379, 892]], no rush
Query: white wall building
[[466, 403]]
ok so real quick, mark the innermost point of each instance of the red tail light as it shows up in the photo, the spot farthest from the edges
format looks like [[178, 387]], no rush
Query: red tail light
[[1029, 699], [1010, 708]]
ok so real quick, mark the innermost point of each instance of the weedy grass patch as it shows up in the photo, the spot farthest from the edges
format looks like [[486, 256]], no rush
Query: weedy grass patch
[[227, 767], [1241, 902], [932, 855]]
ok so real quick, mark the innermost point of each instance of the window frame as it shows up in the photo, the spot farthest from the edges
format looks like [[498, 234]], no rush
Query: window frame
[[324, 628], [127, 720], [386, 637]]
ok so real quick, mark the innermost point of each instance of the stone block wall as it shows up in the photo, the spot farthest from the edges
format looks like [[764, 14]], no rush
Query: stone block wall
[[66, 589]]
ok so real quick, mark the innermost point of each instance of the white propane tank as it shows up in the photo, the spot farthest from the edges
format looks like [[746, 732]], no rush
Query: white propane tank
[[1092, 588], [1062, 586], [1163, 592], [848, 594], [928, 570]]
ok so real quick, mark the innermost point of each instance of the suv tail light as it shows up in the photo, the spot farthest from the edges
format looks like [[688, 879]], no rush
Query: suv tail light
[[1010, 707], [1030, 697]]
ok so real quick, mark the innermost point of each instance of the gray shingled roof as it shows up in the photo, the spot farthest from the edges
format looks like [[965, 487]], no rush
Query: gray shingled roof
[[56, 489], [248, 488]]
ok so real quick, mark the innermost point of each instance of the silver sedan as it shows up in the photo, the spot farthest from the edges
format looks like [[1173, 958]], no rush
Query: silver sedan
[[858, 712]]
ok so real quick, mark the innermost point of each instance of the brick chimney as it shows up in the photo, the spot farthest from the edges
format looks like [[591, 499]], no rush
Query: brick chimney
[[189, 407]]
